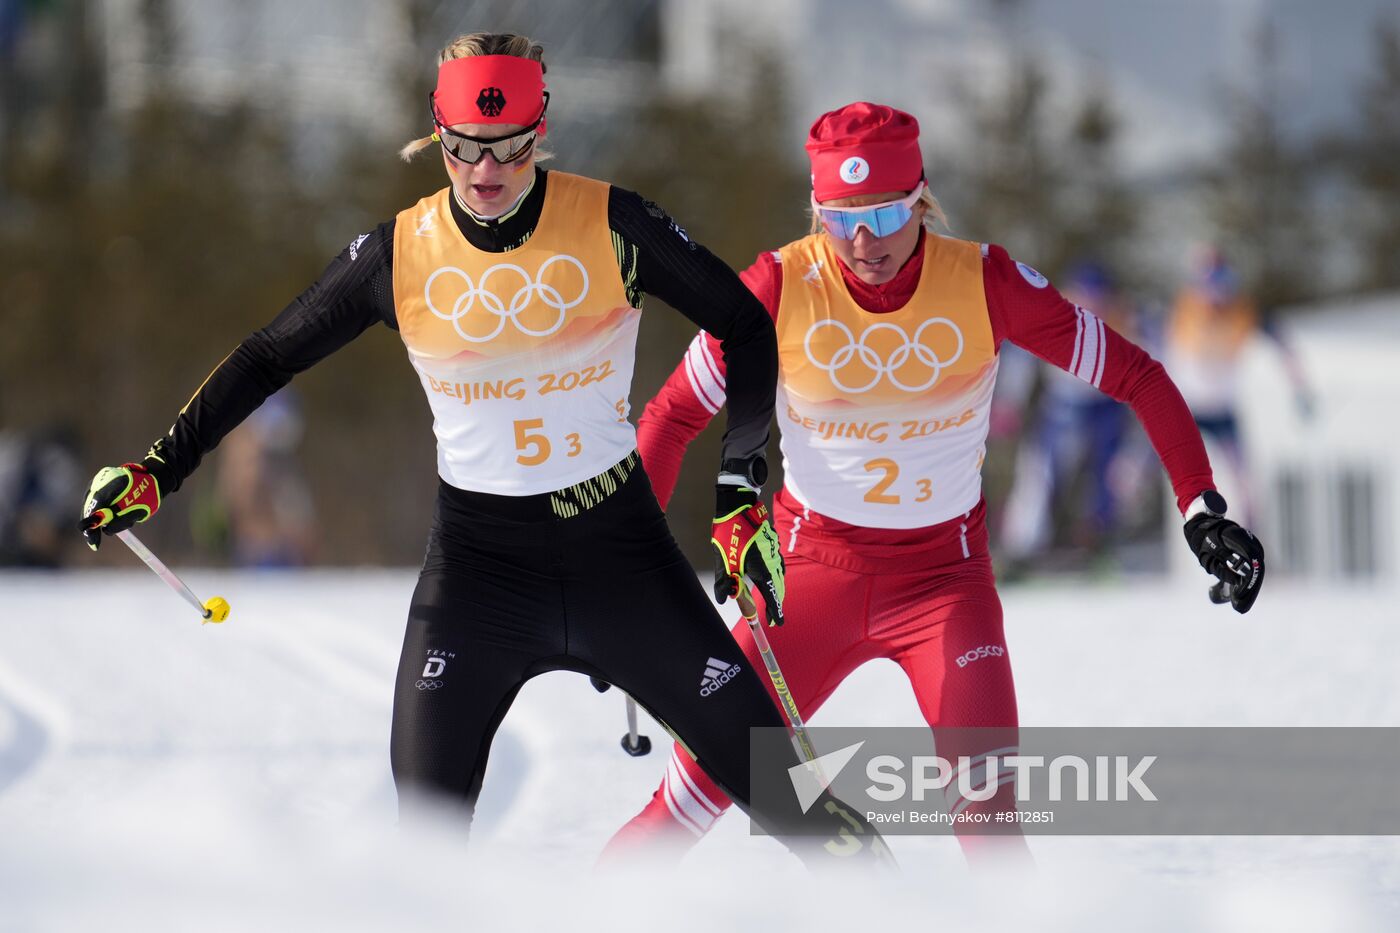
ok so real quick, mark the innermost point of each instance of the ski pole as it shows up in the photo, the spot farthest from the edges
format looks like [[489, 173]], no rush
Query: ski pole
[[800, 739], [799, 730], [632, 743], [215, 609], [637, 745]]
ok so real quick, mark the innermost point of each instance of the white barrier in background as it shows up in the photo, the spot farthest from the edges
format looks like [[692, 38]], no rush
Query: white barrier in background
[[1323, 484]]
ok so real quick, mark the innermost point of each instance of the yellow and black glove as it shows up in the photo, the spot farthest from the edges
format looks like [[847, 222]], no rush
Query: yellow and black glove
[[118, 497], [746, 546]]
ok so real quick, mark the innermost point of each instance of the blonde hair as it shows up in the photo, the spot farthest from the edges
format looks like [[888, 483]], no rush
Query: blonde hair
[[933, 213], [483, 43]]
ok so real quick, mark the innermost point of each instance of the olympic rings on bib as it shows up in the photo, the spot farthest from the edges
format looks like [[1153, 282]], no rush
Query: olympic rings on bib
[[491, 302], [860, 349]]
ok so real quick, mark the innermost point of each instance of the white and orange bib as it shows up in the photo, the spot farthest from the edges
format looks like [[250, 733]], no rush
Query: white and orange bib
[[884, 416], [526, 356]]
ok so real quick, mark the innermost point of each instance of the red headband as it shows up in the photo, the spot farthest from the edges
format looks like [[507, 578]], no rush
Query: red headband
[[864, 149], [490, 89]]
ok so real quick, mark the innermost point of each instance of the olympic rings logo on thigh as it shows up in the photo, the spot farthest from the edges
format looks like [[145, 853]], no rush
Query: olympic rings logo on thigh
[[491, 302], [861, 350]]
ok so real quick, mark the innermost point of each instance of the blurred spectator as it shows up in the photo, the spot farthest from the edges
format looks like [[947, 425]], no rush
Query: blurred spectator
[[1064, 475], [40, 478], [1209, 326], [263, 500], [1210, 323]]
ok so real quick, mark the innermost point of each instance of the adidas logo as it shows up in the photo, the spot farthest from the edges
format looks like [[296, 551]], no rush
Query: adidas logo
[[717, 674]]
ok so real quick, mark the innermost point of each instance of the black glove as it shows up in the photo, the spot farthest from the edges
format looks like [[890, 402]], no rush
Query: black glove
[[746, 546], [1233, 555]]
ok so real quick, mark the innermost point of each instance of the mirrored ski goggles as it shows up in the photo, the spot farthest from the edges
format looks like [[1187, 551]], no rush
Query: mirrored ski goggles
[[879, 219], [503, 149]]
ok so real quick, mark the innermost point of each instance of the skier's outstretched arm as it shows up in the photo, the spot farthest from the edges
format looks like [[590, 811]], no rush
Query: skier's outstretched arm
[[354, 292], [1028, 311]]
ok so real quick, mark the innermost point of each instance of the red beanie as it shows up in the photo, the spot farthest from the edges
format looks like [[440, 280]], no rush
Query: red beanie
[[864, 149]]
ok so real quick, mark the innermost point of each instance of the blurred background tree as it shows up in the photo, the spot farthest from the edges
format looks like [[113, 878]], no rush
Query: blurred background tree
[[1372, 158], [1260, 195], [1036, 169]]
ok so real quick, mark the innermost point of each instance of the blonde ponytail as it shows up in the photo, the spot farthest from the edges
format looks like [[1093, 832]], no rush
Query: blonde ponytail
[[933, 213]]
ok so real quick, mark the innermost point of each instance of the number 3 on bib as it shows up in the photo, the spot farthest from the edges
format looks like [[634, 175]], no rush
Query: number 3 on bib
[[534, 445], [880, 493]]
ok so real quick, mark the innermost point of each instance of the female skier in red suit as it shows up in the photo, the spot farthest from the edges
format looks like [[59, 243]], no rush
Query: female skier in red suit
[[888, 345]]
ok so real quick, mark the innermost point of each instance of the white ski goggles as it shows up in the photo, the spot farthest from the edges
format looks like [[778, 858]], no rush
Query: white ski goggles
[[880, 219]]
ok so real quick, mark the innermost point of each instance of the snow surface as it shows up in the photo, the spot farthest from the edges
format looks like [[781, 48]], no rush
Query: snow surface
[[156, 774]]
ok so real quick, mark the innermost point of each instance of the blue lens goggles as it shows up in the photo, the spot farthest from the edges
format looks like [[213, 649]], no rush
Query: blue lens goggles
[[880, 219]]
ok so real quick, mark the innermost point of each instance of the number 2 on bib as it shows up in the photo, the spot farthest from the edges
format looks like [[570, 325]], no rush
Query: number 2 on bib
[[880, 493]]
